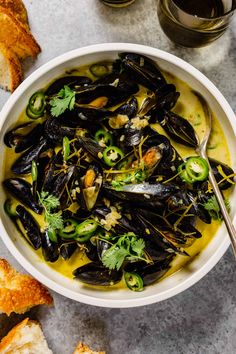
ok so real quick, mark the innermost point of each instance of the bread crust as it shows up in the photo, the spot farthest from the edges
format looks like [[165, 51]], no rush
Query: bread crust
[[18, 9], [16, 36], [14, 68], [19, 292], [10, 337], [84, 349]]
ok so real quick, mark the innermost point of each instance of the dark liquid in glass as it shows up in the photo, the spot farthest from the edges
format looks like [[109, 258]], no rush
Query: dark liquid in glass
[[194, 32], [205, 8]]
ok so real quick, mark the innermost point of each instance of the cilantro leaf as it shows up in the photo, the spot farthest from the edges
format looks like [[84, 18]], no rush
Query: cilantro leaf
[[114, 257], [138, 246], [213, 208], [49, 202], [127, 247], [65, 99]]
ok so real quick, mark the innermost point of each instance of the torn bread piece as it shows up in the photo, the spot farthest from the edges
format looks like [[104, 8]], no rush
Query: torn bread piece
[[16, 36], [25, 338], [84, 349], [11, 74], [19, 292], [18, 9]]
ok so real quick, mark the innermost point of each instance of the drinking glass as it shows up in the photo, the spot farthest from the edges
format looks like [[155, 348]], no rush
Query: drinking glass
[[195, 25], [117, 3]]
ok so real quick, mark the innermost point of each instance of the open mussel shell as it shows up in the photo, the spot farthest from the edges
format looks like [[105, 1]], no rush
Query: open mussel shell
[[23, 136], [72, 81], [178, 128], [142, 191], [91, 252], [91, 184], [31, 228], [92, 147], [21, 190], [150, 273], [143, 70], [24, 163], [166, 97], [96, 274], [62, 180], [49, 249]]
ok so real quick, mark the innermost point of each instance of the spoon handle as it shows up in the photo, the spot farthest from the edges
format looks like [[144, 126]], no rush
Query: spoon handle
[[228, 222]]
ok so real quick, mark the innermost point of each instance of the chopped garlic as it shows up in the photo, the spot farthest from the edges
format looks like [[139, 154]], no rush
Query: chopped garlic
[[100, 155], [119, 121], [111, 219], [139, 123]]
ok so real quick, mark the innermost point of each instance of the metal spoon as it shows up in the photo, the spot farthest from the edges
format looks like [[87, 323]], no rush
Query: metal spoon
[[201, 150]]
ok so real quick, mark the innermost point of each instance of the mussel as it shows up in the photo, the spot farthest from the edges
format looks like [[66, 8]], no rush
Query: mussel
[[31, 228], [177, 127], [91, 184], [21, 190], [143, 70], [23, 136], [129, 108], [96, 274], [67, 249], [24, 163], [49, 248], [72, 81], [150, 272]]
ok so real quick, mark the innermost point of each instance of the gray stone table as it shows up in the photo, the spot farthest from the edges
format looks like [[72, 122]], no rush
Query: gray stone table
[[202, 320]]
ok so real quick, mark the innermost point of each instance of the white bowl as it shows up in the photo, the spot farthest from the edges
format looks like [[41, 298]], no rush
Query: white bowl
[[73, 289]]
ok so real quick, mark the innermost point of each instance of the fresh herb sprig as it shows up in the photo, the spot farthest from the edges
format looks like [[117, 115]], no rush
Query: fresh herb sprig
[[49, 202], [213, 208], [64, 100], [127, 247]]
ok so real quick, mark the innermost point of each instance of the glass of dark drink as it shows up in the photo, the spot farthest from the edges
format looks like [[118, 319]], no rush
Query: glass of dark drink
[[195, 23]]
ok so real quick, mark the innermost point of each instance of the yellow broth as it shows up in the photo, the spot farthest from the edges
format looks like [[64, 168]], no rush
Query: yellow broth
[[189, 107]]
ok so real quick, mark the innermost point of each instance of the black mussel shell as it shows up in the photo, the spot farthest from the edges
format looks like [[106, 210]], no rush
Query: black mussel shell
[[166, 97], [54, 130], [227, 170], [67, 249], [23, 136], [96, 274], [92, 147], [49, 249], [70, 81], [31, 227], [21, 190], [91, 252], [61, 181], [143, 70], [24, 163], [152, 272], [178, 128], [129, 108], [145, 191]]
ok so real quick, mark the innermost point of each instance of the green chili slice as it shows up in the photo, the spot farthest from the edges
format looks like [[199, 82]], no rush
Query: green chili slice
[[112, 154], [34, 171], [85, 230], [133, 281], [69, 230], [8, 208], [102, 136], [52, 235], [99, 70], [183, 174], [66, 148], [197, 168], [36, 105]]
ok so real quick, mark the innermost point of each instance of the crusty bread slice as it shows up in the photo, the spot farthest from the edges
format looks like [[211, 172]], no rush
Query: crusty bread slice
[[16, 36], [84, 349], [18, 9], [11, 73], [25, 338], [20, 292]]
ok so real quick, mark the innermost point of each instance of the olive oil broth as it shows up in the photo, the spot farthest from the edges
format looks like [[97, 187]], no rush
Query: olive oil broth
[[189, 107]]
